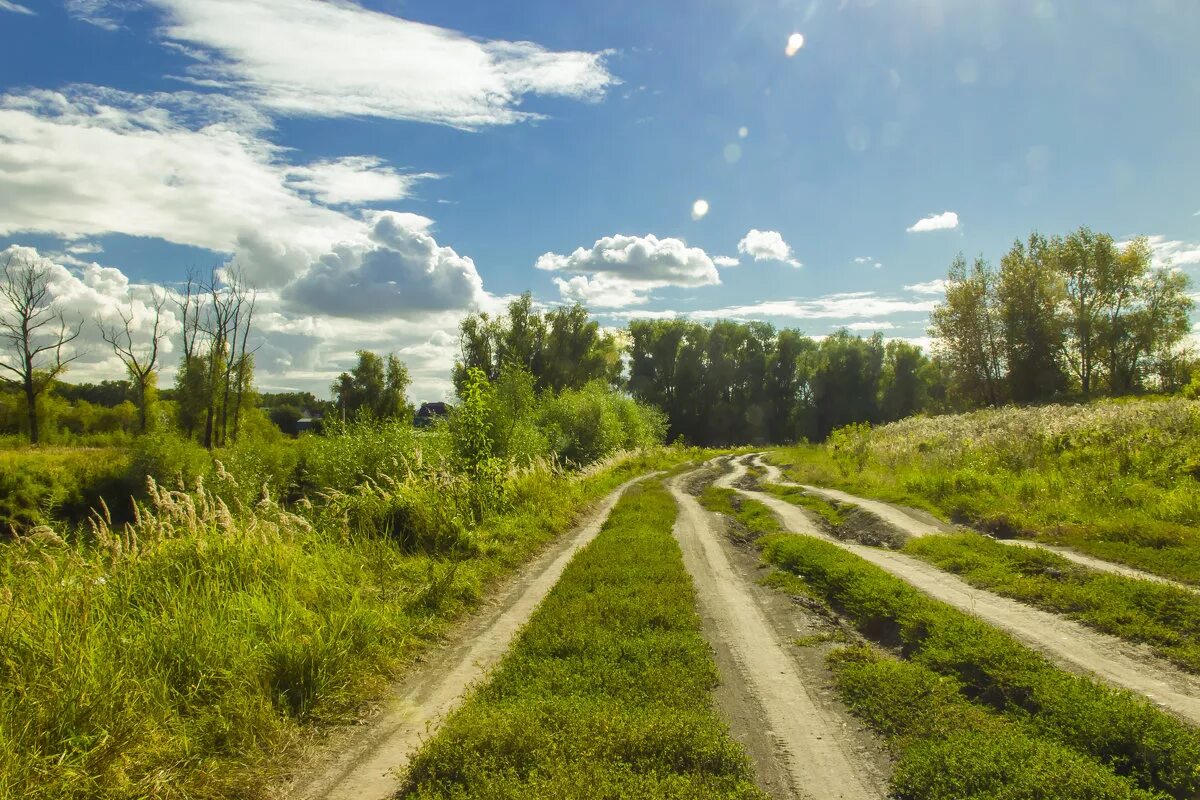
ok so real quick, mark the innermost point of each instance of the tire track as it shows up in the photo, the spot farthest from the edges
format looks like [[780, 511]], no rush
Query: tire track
[[810, 743], [912, 524], [1066, 643], [365, 765]]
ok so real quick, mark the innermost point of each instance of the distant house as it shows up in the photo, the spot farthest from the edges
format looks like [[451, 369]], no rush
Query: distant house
[[428, 413], [308, 423]]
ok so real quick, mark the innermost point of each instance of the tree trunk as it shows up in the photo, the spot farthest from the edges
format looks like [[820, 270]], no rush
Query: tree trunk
[[31, 410]]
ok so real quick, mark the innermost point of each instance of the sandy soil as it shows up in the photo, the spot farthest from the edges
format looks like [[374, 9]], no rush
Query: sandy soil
[[1063, 641], [776, 696], [365, 762]]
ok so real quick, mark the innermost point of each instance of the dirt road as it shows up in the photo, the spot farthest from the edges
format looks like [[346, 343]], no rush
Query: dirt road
[[1064, 642], [912, 522], [363, 764], [803, 744]]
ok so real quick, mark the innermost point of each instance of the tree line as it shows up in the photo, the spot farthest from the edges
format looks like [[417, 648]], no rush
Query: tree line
[[1063, 316]]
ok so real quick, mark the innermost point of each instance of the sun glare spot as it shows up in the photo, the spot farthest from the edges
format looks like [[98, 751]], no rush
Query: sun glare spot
[[699, 209], [794, 43], [743, 132], [733, 153]]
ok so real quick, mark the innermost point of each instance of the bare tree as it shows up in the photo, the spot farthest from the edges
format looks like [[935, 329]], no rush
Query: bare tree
[[140, 363], [33, 330]]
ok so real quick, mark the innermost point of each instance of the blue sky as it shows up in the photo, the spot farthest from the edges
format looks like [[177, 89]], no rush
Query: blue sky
[[379, 169]]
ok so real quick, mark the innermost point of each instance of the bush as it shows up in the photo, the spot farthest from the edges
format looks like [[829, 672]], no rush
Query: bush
[[43, 485], [589, 424]]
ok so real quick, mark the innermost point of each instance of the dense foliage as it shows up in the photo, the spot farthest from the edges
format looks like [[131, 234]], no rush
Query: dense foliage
[[1074, 314], [733, 382]]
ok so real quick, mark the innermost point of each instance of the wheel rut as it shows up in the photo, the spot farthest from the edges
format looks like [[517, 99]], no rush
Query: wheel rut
[[780, 705], [365, 763], [1066, 643]]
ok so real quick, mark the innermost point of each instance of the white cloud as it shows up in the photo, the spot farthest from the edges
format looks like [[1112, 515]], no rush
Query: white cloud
[[841, 306], [726, 261], [338, 59], [767, 246], [7, 5], [402, 270], [84, 248], [947, 220], [869, 261], [870, 326], [354, 179], [1173, 251], [937, 286], [621, 270], [91, 161]]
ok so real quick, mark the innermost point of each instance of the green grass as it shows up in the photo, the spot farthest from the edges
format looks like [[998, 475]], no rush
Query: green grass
[[757, 518], [1048, 711], [185, 657], [948, 748], [607, 691], [1115, 727], [1119, 480], [1165, 617], [797, 496]]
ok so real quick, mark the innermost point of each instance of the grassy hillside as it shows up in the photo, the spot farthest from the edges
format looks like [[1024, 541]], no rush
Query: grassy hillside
[[1119, 480]]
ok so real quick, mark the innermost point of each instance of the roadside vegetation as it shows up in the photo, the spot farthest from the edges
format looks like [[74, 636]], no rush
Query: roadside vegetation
[[1119, 480], [606, 693], [969, 711]]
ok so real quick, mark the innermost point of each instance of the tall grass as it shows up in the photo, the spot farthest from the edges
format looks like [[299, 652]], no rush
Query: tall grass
[[181, 656], [1117, 479]]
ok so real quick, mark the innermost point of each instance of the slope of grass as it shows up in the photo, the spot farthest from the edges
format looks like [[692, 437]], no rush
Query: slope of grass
[[1165, 617], [1043, 712], [607, 691], [181, 657], [1117, 479]]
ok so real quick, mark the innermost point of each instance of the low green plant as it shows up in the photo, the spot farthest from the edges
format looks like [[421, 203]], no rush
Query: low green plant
[[948, 748], [1115, 727], [607, 691]]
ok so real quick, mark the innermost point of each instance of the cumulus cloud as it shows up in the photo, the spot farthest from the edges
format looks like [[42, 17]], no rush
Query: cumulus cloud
[[90, 161], [937, 286], [16, 8], [354, 180], [946, 221], [94, 294], [338, 59], [401, 270], [767, 246], [726, 261], [867, 260], [621, 270], [870, 326]]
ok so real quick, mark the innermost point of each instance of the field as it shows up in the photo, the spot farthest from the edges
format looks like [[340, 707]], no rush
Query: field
[[223, 636]]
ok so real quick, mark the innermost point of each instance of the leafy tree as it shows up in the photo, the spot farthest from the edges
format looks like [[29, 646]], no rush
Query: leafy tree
[[375, 386], [903, 385], [1030, 293], [969, 334]]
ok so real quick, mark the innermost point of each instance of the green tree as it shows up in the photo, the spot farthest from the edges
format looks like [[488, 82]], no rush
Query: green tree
[[969, 334], [1030, 293], [903, 387], [376, 387]]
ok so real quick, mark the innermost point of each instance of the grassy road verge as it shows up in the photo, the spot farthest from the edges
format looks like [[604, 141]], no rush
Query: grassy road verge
[[182, 658], [607, 691]]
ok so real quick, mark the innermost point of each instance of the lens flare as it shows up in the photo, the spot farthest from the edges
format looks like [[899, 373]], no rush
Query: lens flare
[[794, 43], [699, 209]]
